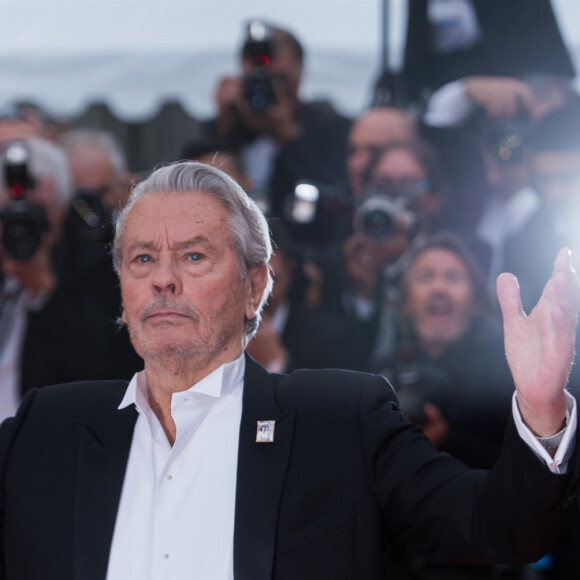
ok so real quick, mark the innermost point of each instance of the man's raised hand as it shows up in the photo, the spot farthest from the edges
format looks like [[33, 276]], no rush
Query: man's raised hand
[[540, 346]]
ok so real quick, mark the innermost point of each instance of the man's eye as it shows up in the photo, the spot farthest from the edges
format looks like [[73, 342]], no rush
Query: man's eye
[[194, 256], [143, 258]]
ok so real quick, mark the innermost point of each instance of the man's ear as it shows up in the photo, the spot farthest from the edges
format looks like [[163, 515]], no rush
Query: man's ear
[[257, 282]]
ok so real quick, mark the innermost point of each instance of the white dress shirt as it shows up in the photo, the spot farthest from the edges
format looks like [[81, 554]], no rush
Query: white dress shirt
[[13, 324], [13, 331], [177, 507], [558, 463]]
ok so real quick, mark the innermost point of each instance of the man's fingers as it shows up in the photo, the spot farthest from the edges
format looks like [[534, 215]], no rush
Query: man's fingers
[[527, 101], [566, 286], [508, 294]]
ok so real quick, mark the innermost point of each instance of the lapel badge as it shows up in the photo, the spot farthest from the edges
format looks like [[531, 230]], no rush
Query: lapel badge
[[265, 431]]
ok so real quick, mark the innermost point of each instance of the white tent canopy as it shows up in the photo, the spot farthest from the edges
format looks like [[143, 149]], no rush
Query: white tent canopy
[[136, 54]]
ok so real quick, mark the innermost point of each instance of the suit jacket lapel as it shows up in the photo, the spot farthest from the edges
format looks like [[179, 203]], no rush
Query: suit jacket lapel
[[260, 479], [103, 455]]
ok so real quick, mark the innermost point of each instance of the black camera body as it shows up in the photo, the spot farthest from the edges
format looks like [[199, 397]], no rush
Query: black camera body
[[259, 50], [23, 223], [259, 90], [378, 214]]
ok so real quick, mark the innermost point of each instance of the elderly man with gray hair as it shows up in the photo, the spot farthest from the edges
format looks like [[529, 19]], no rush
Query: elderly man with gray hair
[[167, 476]]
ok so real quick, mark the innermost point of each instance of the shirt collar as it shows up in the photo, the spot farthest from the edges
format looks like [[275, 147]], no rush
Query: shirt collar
[[219, 382]]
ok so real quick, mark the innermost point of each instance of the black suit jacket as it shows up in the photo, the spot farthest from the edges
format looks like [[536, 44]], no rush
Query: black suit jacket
[[345, 475]]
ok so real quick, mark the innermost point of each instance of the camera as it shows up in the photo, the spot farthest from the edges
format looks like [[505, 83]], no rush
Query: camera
[[259, 50], [23, 223], [318, 214], [506, 139], [379, 213]]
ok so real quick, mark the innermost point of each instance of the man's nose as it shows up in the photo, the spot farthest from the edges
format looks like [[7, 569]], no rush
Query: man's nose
[[438, 286], [166, 278]]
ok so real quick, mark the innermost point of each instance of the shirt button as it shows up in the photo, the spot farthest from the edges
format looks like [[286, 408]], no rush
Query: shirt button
[[170, 476], [166, 556]]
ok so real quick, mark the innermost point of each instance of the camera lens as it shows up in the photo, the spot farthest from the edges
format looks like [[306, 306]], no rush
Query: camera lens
[[23, 226], [21, 240], [377, 217], [258, 101], [259, 90], [378, 224]]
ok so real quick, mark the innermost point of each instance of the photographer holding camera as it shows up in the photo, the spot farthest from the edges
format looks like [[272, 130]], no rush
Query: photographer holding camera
[[281, 139], [102, 184], [400, 201], [36, 192]]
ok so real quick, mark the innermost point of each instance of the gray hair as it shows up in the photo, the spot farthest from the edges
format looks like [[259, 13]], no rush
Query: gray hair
[[78, 139], [48, 161], [248, 225]]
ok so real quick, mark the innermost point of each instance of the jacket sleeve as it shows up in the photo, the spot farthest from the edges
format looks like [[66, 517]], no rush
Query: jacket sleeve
[[443, 510]]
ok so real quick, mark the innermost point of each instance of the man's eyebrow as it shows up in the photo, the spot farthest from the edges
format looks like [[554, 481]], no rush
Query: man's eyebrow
[[141, 246], [197, 241]]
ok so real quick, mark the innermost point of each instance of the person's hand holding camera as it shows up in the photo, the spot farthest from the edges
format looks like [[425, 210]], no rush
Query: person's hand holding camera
[[277, 120], [228, 97], [36, 275], [365, 259], [500, 97]]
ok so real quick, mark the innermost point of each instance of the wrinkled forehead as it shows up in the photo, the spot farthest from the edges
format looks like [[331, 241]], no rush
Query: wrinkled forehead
[[398, 163], [174, 219], [378, 127], [188, 209], [439, 259]]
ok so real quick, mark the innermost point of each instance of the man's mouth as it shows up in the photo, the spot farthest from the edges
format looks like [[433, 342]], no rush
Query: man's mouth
[[440, 306], [167, 312]]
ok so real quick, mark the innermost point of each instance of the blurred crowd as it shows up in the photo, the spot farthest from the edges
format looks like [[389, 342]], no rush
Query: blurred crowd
[[390, 228]]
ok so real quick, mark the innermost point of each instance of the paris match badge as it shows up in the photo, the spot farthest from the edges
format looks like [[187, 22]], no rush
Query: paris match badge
[[265, 431]]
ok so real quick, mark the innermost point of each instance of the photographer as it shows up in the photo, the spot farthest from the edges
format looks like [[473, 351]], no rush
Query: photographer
[[448, 367], [281, 139], [33, 320], [400, 204], [480, 125], [553, 149], [291, 335], [102, 184], [406, 175], [448, 364], [369, 134]]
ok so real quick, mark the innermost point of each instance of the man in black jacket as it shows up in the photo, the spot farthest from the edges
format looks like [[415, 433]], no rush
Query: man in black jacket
[[168, 480], [281, 138]]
